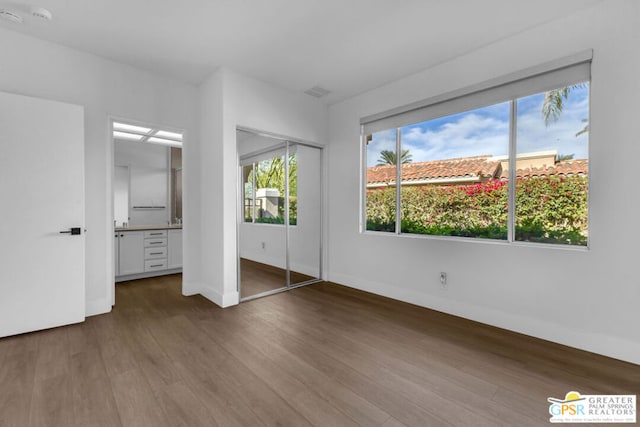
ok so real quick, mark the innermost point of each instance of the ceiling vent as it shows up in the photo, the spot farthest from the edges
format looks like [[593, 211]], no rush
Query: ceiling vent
[[11, 16], [317, 92]]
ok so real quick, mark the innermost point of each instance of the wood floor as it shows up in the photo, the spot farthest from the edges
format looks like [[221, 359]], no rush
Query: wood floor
[[256, 278], [318, 355]]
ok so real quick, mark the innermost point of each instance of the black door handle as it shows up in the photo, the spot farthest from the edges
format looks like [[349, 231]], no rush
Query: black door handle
[[74, 231]]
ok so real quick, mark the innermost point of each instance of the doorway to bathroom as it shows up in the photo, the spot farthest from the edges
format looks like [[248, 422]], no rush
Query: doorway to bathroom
[[147, 201]]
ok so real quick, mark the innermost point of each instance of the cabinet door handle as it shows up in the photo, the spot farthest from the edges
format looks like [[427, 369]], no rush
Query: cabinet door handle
[[155, 253], [154, 243], [155, 234], [156, 265]]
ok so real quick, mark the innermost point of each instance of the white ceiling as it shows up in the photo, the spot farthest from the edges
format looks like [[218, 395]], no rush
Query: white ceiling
[[345, 46]]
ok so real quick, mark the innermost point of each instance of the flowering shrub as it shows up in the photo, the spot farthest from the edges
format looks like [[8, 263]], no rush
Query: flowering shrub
[[551, 209]]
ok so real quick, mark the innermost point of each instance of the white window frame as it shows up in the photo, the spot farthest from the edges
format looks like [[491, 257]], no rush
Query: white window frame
[[551, 75]]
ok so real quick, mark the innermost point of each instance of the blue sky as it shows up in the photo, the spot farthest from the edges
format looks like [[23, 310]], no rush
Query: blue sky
[[486, 131]]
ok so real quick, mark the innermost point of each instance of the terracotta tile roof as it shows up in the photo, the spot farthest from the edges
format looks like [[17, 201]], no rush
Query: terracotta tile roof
[[471, 167], [562, 168]]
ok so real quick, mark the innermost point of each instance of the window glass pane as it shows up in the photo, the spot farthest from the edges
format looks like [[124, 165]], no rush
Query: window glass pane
[[270, 190], [247, 193], [452, 174], [381, 181], [552, 166], [293, 189]]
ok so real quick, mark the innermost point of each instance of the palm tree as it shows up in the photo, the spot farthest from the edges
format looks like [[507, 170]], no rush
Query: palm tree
[[561, 157], [554, 104], [270, 174], [388, 157]]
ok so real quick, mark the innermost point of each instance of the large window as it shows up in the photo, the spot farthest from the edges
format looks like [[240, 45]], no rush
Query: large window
[[506, 162]]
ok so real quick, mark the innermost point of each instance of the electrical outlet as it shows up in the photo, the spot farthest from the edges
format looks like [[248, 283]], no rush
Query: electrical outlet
[[443, 279]]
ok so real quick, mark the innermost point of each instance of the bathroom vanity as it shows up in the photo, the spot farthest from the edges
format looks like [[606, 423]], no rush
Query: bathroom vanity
[[147, 251]]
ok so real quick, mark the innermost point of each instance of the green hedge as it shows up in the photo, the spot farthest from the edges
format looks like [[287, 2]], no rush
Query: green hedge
[[552, 209]]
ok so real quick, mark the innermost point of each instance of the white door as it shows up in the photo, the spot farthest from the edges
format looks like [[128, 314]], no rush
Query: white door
[[41, 195]]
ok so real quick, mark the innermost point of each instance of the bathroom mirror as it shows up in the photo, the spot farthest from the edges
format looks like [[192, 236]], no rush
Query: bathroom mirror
[[147, 184]]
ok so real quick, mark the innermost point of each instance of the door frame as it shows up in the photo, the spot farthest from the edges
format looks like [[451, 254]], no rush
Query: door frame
[[110, 197]]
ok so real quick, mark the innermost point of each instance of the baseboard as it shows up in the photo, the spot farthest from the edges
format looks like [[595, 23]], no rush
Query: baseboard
[[148, 274], [223, 300], [190, 288], [96, 307], [605, 345]]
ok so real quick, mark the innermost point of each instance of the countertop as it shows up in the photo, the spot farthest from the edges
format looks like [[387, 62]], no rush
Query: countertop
[[150, 227]]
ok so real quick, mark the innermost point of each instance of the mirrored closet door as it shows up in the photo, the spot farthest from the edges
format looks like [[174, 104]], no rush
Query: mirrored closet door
[[279, 226]]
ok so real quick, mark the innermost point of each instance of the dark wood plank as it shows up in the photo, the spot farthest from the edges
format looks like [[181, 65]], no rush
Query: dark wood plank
[[53, 354], [92, 396], [136, 403], [323, 354], [52, 402], [17, 373]]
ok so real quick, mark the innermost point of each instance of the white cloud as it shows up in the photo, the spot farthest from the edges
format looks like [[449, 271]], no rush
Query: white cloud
[[473, 134], [385, 140], [533, 135], [470, 135]]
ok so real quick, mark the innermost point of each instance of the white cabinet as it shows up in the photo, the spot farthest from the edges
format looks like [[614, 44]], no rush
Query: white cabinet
[[155, 250], [147, 251], [175, 249], [131, 252]]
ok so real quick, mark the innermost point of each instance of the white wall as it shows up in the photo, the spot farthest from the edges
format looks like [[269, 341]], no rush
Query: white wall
[[228, 100], [587, 299], [33, 67]]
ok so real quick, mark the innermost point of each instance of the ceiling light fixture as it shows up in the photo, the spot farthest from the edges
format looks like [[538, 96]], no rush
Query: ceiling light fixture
[[41, 13], [127, 135], [163, 141], [10, 16], [131, 128], [169, 135]]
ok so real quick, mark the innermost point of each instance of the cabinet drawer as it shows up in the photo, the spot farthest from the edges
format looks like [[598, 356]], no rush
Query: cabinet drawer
[[155, 264], [150, 243], [154, 253], [155, 233]]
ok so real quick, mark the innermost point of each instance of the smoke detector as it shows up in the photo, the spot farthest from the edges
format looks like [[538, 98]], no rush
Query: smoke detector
[[10, 16], [41, 13]]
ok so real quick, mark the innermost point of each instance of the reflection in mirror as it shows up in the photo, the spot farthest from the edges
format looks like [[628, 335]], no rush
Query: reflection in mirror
[[121, 194], [176, 185], [261, 232], [279, 228], [147, 184], [304, 212]]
